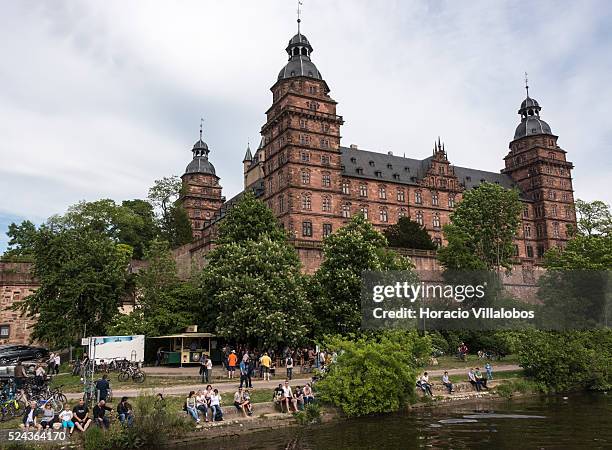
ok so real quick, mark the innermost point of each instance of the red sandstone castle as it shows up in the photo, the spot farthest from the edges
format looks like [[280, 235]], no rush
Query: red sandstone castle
[[314, 185]]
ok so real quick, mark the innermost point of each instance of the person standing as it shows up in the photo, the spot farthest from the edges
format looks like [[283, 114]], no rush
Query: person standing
[[103, 386], [20, 375], [232, 359], [266, 362], [489, 370], [203, 370], [51, 362], [56, 363], [244, 370], [250, 371], [289, 365]]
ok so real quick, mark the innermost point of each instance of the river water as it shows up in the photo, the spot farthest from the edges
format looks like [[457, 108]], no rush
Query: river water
[[581, 421]]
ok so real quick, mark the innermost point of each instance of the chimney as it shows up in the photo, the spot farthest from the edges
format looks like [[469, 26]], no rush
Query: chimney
[[354, 146], [390, 153]]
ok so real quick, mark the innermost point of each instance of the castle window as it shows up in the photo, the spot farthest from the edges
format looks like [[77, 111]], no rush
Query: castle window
[[418, 198], [371, 163], [307, 228], [401, 195], [556, 229], [434, 199], [5, 331], [516, 250], [568, 212], [346, 210], [353, 160], [363, 190], [451, 200], [541, 251], [419, 217], [436, 221], [384, 216], [305, 177], [401, 212], [326, 179], [304, 139], [197, 213], [326, 204], [389, 166], [529, 250], [364, 211], [325, 127], [526, 211], [281, 203], [396, 176], [346, 187], [305, 156], [554, 210], [312, 89], [325, 160], [303, 124], [539, 230], [327, 229], [324, 143], [382, 192], [527, 231], [406, 169], [306, 202], [378, 174], [359, 170]]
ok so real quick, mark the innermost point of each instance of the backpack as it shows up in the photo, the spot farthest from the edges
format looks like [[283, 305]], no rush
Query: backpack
[[185, 406]]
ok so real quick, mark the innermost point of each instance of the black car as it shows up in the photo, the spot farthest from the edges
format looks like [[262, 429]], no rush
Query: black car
[[13, 352]]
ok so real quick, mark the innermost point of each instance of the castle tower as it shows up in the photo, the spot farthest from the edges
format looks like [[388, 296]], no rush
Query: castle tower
[[201, 195], [540, 168], [301, 156]]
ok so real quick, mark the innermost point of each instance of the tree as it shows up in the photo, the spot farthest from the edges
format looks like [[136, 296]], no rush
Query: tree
[[482, 229], [138, 233], [171, 216], [594, 218], [252, 286], [373, 375], [249, 220], [335, 290], [82, 275], [165, 304], [408, 234], [21, 239]]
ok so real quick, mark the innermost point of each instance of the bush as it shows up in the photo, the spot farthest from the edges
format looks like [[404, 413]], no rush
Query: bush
[[568, 360], [310, 416], [509, 388], [373, 375]]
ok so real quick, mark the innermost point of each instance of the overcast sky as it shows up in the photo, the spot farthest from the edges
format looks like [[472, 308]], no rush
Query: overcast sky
[[99, 99]]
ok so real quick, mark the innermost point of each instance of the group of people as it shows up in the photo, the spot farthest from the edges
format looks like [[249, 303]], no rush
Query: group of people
[[204, 401], [289, 400], [475, 378], [76, 418]]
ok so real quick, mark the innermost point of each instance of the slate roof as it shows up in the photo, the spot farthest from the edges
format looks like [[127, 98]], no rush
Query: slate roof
[[396, 169]]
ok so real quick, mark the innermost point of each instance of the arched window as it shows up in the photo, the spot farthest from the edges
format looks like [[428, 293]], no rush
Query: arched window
[[306, 202], [436, 221], [382, 192], [326, 204], [346, 187], [401, 212], [401, 195], [364, 211], [363, 190], [418, 198], [384, 215], [419, 217], [451, 200], [435, 199], [346, 210]]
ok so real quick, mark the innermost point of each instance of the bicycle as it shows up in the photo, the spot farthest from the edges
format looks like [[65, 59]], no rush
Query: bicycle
[[137, 375]]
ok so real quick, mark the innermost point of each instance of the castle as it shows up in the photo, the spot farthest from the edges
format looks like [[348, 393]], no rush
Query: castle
[[314, 184]]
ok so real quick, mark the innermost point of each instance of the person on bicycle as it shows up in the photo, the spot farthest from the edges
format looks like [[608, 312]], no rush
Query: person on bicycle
[[103, 386]]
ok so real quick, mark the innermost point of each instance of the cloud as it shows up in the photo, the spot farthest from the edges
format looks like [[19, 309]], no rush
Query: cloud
[[100, 99]]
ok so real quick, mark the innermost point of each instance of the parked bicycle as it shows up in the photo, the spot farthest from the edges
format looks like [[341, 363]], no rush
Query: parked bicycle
[[133, 372]]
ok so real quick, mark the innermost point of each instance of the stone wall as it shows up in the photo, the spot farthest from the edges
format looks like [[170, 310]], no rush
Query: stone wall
[[16, 283]]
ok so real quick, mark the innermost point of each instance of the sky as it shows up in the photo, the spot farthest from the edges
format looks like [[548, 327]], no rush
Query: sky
[[99, 99]]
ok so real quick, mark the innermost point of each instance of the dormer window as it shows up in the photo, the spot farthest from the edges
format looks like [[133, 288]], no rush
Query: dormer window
[[406, 169], [378, 174], [372, 163], [359, 170], [389, 166], [353, 160], [396, 176]]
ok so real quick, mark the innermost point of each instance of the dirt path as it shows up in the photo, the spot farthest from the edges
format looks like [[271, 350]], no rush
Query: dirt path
[[230, 386]]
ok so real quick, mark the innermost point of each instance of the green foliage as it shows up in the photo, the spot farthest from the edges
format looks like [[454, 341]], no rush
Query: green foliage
[[568, 360], [336, 287], [373, 375], [511, 387], [593, 218], [310, 416], [21, 239], [252, 288], [249, 219], [592, 252], [82, 275], [171, 216], [408, 234], [164, 301], [482, 229]]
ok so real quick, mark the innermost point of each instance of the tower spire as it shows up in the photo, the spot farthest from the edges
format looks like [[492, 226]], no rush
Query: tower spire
[[527, 84], [299, 12], [201, 126]]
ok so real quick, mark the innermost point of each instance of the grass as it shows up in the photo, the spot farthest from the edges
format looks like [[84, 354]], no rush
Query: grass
[[510, 374], [452, 362], [74, 384]]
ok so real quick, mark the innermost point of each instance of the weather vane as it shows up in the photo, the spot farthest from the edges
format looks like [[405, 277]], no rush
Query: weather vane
[[527, 84], [299, 12], [201, 125]]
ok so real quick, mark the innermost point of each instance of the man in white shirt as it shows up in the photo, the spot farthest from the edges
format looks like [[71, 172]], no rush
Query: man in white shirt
[[57, 361], [446, 382], [288, 396]]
